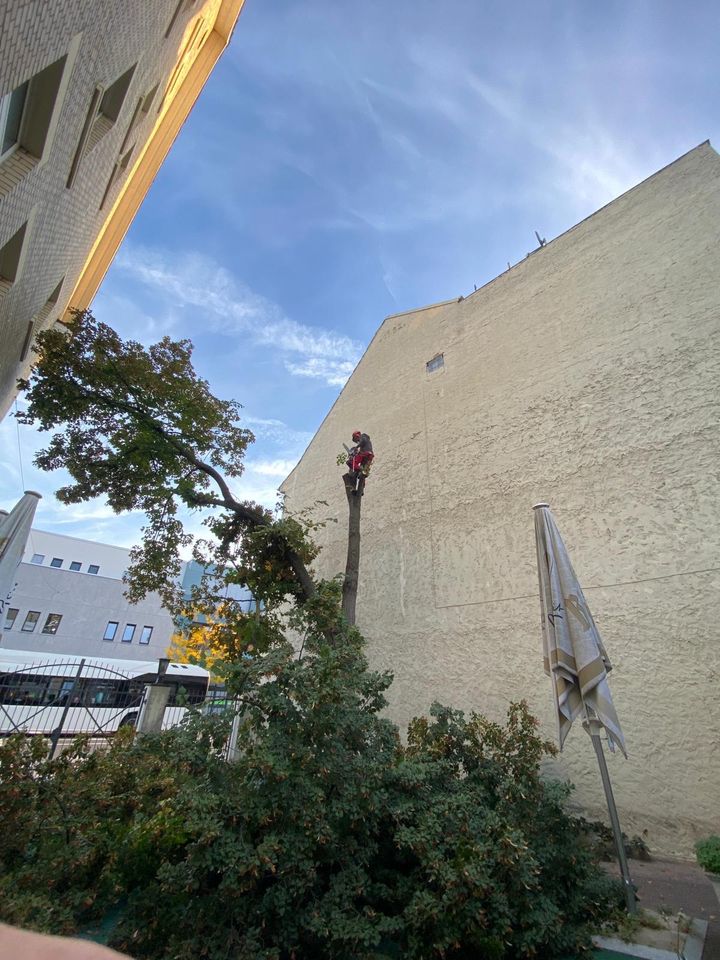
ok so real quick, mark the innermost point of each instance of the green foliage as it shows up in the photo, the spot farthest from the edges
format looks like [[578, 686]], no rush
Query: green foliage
[[601, 839], [326, 839], [141, 428], [707, 852]]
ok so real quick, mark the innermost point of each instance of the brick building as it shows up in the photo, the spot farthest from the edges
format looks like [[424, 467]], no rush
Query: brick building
[[587, 376], [92, 95]]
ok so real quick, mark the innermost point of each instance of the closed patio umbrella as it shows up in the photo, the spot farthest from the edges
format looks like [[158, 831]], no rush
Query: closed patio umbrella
[[14, 531], [576, 661]]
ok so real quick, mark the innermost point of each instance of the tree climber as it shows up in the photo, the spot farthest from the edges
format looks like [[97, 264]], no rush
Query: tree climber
[[360, 456]]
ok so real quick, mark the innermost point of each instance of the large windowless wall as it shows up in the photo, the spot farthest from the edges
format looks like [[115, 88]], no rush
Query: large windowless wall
[[587, 376]]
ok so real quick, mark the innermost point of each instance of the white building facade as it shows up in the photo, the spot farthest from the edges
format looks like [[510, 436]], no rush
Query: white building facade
[[69, 598]]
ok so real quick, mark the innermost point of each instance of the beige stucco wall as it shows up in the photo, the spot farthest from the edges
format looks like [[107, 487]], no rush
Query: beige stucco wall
[[587, 376]]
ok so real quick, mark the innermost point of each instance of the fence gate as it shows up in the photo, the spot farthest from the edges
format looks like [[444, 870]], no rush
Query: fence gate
[[63, 698]]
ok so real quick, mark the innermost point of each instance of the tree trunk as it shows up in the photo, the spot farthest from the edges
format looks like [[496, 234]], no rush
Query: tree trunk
[[352, 564]]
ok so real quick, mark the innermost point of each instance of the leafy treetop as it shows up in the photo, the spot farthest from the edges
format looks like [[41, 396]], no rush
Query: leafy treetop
[[140, 427]]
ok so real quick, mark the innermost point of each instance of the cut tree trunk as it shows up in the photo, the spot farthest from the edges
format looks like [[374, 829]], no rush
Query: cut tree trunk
[[352, 564]]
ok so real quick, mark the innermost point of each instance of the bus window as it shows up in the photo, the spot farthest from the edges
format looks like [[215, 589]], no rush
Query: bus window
[[22, 689], [103, 693], [187, 694]]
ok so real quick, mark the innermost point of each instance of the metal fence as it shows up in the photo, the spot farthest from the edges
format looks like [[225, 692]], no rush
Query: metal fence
[[63, 697]]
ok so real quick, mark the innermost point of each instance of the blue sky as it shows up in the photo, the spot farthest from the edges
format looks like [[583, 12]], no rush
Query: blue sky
[[347, 161]]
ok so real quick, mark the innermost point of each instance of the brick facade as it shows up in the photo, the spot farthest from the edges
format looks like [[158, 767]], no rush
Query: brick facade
[[100, 41]]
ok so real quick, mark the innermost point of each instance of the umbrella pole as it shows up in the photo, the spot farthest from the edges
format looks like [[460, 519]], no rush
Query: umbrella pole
[[593, 727]]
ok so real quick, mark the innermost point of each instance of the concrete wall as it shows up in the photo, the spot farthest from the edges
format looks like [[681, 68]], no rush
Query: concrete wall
[[587, 376], [112, 561], [86, 604]]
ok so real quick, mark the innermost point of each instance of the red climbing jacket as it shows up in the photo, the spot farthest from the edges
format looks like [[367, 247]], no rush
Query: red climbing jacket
[[361, 454]]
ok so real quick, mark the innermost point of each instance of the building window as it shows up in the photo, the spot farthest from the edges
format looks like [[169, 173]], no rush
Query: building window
[[118, 171], [93, 568], [12, 107], [30, 621], [182, 7], [52, 623], [148, 99], [38, 558], [104, 110], [26, 119], [10, 615], [10, 254], [128, 632], [111, 630], [56, 562], [146, 634], [437, 363], [39, 319], [75, 565]]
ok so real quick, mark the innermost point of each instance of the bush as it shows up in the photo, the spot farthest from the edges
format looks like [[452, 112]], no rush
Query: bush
[[327, 839], [707, 852]]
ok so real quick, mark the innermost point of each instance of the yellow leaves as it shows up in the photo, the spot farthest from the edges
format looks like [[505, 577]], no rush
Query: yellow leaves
[[201, 644]]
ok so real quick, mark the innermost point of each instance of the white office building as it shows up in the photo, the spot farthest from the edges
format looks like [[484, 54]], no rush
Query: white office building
[[69, 598]]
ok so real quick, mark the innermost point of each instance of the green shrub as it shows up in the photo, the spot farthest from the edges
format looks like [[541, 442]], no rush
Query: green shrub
[[326, 839], [707, 852]]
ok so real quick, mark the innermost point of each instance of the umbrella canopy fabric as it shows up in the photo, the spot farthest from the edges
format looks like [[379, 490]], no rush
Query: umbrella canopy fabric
[[573, 652], [14, 531]]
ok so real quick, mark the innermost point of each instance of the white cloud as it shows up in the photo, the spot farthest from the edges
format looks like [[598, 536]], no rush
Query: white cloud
[[333, 372], [278, 432], [270, 468], [231, 308]]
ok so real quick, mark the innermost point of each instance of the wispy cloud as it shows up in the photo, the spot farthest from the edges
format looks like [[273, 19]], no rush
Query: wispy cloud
[[278, 432], [333, 372], [270, 468], [229, 307]]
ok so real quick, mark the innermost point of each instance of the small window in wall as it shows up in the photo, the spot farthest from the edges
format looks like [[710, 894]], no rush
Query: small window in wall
[[185, 59], [75, 565], [12, 107], [52, 623], [10, 254], [27, 339], [148, 100], [39, 319], [26, 118], [118, 172], [437, 363], [38, 558], [30, 621], [146, 634], [57, 562], [111, 630], [103, 112], [142, 109], [93, 568], [112, 100], [182, 7], [10, 617], [128, 632]]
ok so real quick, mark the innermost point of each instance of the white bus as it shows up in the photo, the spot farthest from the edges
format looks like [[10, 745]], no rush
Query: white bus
[[69, 694]]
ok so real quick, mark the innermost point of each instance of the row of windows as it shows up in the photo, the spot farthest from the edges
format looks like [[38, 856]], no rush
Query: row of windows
[[26, 119], [128, 633], [52, 621], [57, 562]]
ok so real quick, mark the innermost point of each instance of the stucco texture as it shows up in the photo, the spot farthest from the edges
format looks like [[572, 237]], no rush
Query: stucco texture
[[587, 376]]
